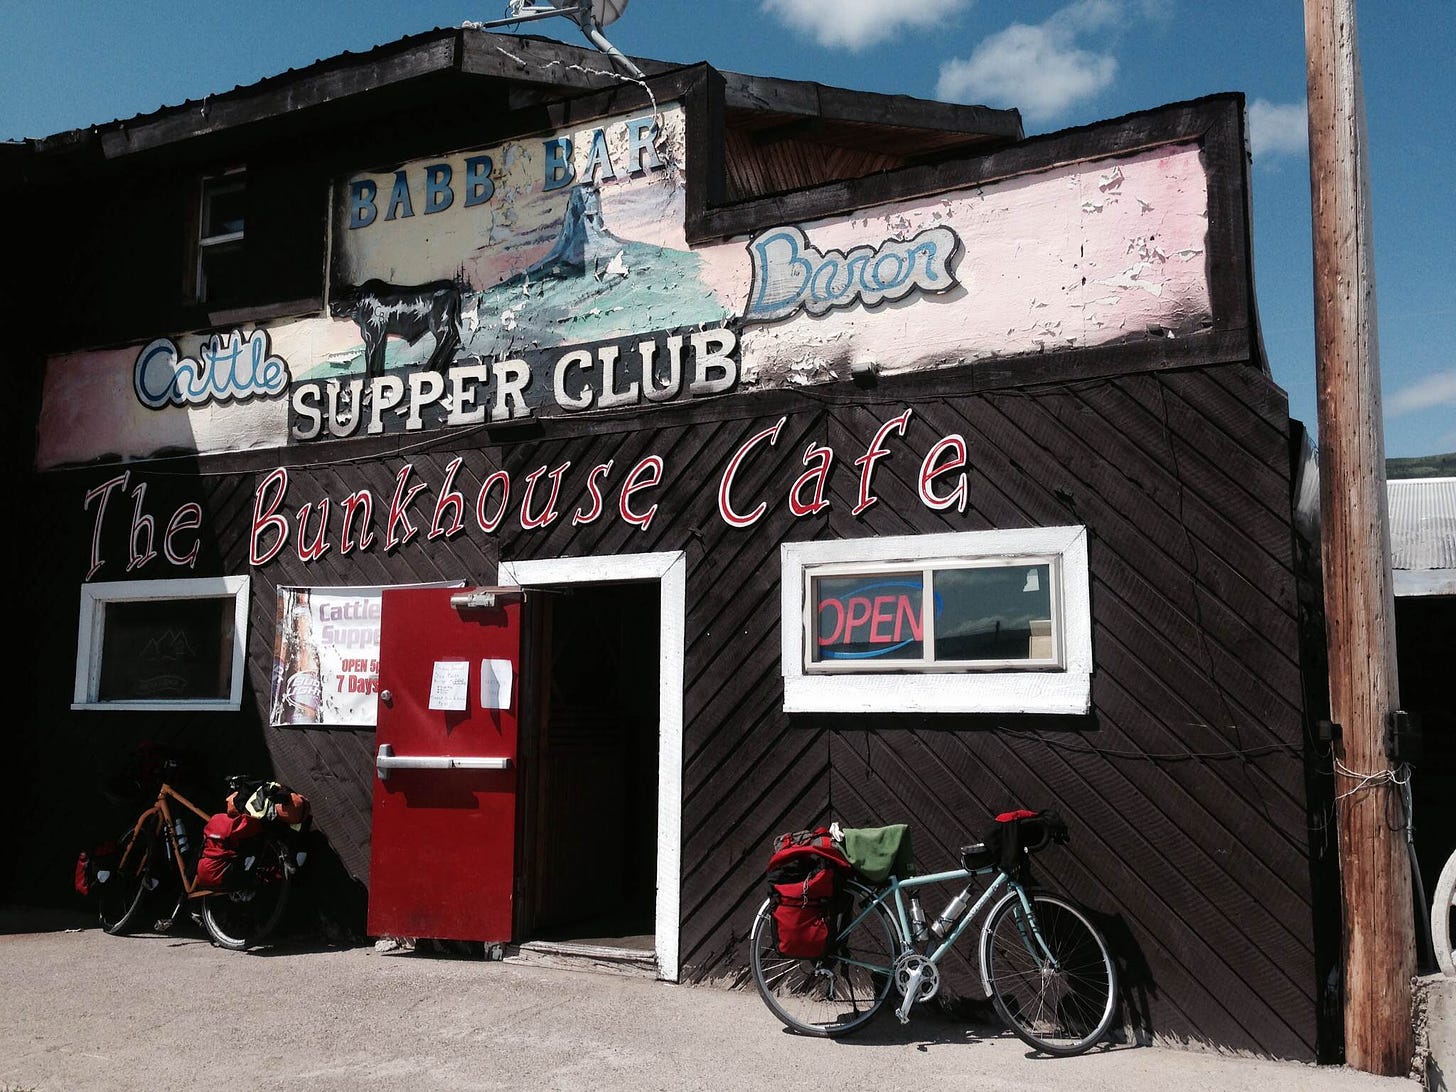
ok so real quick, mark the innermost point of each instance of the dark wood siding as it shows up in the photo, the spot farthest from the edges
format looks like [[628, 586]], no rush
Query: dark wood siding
[[1185, 786]]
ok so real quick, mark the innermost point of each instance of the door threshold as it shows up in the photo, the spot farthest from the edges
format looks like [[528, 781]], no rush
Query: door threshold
[[568, 955]]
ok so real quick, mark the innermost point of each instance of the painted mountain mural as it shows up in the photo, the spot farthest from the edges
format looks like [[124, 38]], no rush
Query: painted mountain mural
[[590, 286]]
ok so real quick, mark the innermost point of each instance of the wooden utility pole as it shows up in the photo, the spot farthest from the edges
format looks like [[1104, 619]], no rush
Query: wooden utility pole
[[1375, 878]]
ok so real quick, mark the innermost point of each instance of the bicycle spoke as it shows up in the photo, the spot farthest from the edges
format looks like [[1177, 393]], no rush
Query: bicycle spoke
[[1057, 993], [835, 994]]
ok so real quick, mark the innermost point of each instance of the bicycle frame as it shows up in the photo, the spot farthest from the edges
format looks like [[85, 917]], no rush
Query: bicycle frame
[[161, 810], [934, 952]]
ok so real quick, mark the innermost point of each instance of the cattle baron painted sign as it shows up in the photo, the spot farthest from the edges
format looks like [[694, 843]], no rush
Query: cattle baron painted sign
[[548, 290], [789, 273]]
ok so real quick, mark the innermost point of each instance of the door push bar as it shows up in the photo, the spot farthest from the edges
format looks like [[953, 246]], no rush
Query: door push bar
[[387, 760]]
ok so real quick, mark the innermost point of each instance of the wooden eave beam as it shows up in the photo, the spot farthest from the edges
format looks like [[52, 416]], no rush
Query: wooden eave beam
[[544, 62], [472, 53], [234, 109], [762, 94]]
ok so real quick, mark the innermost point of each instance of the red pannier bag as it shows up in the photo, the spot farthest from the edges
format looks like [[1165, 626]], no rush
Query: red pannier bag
[[221, 839], [805, 890]]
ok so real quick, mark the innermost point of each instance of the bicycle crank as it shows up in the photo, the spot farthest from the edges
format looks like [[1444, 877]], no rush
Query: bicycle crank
[[917, 979]]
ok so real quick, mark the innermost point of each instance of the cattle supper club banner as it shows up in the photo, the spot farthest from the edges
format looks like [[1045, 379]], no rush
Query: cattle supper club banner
[[551, 275]]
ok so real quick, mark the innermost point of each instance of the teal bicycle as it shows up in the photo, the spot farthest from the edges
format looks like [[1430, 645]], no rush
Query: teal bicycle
[[1043, 963]]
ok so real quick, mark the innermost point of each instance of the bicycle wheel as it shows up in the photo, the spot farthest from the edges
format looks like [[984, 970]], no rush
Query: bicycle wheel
[[241, 918], [124, 892], [839, 992], [1443, 937], [1059, 1008]]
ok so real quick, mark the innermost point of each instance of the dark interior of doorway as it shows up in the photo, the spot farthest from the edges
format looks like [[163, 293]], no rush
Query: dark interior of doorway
[[589, 819]]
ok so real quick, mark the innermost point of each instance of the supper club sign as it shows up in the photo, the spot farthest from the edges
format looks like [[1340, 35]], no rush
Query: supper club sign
[[361, 521]]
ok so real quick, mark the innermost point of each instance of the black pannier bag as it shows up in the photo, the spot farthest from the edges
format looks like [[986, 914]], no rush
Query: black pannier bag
[[805, 886], [1015, 836]]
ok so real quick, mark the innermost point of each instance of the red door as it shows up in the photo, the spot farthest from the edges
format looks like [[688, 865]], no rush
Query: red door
[[442, 852]]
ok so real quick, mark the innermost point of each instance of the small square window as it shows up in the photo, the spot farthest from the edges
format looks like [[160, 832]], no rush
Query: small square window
[[162, 644], [980, 621], [221, 230]]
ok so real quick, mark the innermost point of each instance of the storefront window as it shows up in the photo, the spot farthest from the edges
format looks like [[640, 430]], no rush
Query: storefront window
[[982, 620], [162, 644], [978, 616]]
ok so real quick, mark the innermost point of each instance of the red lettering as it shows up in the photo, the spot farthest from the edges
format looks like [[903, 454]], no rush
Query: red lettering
[[873, 454], [884, 615], [857, 615], [638, 479], [143, 526], [312, 551], [489, 523], [102, 491], [548, 516], [725, 509], [832, 637], [594, 492], [397, 506], [818, 475], [186, 518], [929, 471], [266, 519], [360, 503], [450, 499], [907, 614]]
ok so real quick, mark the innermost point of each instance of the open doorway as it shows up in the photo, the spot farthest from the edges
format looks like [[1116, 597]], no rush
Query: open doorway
[[667, 572], [590, 763]]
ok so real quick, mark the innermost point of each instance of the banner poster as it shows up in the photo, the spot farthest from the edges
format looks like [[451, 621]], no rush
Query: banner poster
[[326, 655]]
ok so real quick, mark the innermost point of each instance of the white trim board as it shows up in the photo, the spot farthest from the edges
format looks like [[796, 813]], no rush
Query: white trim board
[[670, 571]]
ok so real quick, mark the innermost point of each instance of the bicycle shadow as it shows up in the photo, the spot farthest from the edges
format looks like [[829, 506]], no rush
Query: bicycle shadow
[[962, 1022]]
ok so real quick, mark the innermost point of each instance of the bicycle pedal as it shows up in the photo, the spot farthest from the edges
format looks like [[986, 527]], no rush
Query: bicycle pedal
[[162, 925]]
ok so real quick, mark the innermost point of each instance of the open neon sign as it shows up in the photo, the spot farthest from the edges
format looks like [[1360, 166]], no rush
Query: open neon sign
[[870, 620]]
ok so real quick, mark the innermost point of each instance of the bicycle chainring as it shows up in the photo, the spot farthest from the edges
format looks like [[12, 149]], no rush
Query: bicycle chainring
[[907, 965]]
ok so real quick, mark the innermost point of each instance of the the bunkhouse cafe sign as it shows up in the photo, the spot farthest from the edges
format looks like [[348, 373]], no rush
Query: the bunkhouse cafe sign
[[360, 521]]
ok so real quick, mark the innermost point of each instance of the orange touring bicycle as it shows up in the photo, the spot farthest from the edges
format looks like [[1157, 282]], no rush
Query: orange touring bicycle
[[158, 856]]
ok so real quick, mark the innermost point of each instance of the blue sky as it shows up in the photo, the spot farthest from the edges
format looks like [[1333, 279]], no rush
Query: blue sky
[[72, 64]]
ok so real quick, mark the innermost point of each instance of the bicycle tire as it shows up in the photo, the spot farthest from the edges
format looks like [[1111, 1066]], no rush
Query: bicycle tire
[[1061, 1012], [1443, 937], [124, 893], [241, 919], [835, 994]]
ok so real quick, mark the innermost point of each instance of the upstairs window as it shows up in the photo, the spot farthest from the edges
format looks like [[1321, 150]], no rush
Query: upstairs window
[[221, 227]]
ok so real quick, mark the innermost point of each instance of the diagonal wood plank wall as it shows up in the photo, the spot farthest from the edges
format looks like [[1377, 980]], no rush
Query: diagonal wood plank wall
[[1195, 839]]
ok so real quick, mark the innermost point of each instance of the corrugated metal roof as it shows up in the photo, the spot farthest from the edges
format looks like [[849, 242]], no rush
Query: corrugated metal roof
[[1422, 523]]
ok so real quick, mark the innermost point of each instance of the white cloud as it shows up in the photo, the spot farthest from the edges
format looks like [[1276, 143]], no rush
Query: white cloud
[[1278, 129], [1428, 393], [1040, 69], [859, 24]]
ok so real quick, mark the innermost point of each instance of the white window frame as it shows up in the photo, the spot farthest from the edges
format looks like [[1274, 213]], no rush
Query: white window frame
[[894, 688], [214, 186], [926, 570], [92, 629]]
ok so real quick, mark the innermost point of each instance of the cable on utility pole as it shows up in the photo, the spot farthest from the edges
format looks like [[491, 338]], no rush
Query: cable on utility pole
[[1375, 876]]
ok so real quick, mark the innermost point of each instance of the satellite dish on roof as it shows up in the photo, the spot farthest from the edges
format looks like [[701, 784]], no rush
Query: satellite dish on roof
[[589, 15], [603, 12]]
